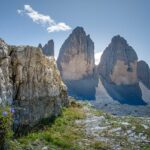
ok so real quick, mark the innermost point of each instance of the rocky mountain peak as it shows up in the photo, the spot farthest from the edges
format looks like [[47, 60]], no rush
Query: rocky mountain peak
[[78, 30], [118, 39], [118, 62], [76, 56], [118, 71], [76, 64], [40, 45], [48, 48]]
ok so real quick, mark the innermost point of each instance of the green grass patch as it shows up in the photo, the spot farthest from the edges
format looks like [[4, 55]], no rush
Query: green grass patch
[[98, 145], [62, 133]]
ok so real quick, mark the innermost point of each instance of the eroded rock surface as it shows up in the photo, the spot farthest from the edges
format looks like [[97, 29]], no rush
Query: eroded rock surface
[[48, 49], [143, 72], [76, 64], [118, 72], [76, 57], [6, 89], [119, 62], [33, 83]]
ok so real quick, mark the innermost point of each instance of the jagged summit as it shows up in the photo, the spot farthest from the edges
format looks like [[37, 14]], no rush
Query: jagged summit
[[78, 29], [40, 45], [118, 70], [76, 56], [121, 54], [48, 48], [118, 39], [76, 64]]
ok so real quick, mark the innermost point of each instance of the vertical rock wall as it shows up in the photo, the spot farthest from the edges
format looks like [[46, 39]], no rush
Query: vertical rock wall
[[32, 83], [76, 64]]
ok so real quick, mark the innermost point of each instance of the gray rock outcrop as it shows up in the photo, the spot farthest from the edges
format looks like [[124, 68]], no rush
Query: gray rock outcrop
[[32, 82], [118, 72], [76, 64], [76, 56], [143, 72], [119, 62], [48, 49]]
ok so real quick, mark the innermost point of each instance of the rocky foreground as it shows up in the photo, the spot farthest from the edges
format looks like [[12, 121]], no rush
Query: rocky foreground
[[30, 83], [82, 127]]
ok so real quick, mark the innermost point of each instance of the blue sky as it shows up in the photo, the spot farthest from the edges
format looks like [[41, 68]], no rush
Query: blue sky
[[102, 19]]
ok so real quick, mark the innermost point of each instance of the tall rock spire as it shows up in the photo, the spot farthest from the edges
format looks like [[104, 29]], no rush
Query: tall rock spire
[[118, 72], [76, 57], [119, 62], [48, 49], [76, 64]]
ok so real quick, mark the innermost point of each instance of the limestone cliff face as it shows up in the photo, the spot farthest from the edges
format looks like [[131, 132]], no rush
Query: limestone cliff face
[[76, 57], [118, 72], [119, 62], [143, 72], [6, 88], [48, 49], [33, 84], [76, 64]]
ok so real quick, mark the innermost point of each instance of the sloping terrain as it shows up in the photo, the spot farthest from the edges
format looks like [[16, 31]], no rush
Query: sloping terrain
[[83, 127]]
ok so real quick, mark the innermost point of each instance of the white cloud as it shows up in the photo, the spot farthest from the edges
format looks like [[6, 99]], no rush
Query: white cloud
[[45, 20], [98, 57], [58, 27]]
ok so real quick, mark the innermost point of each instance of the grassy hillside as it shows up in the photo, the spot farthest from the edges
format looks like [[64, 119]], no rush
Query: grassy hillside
[[82, 127]]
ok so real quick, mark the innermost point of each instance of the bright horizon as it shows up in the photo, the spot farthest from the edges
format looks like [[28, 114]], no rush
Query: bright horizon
[[30, 23]]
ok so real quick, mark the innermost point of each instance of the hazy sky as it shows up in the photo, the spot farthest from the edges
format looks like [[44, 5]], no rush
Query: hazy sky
[[36, 21]]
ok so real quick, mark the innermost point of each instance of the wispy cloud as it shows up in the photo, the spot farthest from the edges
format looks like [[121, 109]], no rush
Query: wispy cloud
[[44, 20], [98, 57]]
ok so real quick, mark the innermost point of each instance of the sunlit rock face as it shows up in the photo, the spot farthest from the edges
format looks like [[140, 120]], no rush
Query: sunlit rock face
[[118, 72], [143, 72], [33, 83], [119, 62], [76, 57], [48, 49], [121, 75], [76, 64]]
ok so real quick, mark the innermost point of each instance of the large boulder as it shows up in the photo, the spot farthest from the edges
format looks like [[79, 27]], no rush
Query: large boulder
[[118, 72], [48, 48], [33, 83], [143, 72], [76, 64]]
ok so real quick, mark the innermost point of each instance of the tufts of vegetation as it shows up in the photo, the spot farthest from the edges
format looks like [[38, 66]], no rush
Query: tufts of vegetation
[[5, 125], [62, 133], [98, 145], [81, 127]]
